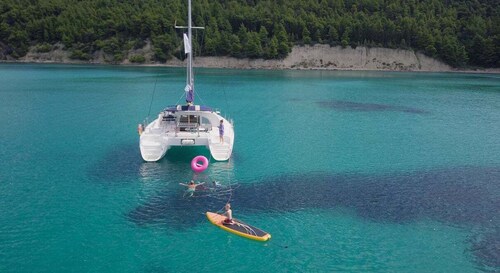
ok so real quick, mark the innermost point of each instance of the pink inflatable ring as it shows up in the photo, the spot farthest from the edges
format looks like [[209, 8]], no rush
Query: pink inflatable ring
[[196, 166]]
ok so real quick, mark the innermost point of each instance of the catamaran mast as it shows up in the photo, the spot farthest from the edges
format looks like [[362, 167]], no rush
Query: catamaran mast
[[188, 49], [190, 77]]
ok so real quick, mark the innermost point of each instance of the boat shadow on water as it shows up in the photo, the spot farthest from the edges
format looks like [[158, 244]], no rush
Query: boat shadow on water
[[123, 162], [462, 197]]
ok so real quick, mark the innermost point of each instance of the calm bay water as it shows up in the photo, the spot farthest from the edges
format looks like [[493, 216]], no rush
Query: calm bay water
[[349, 172]]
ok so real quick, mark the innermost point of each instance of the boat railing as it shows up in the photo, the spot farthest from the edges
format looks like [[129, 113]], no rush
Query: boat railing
[[193, 127], [187, 126], [205, 128]]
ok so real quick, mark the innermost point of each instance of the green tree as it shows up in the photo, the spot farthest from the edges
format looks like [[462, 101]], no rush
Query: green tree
[[272, 52], [282, 37], [243, 34], [253, 48], [19, 43], [212, 38], [263, 37], [164, 47], [453, 52], [306, 36], [333, 35], [236, 49], [345, 38]]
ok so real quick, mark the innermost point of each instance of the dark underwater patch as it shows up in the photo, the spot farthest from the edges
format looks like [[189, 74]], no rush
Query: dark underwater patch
[[457, 196], [349, 106], [485, 248]]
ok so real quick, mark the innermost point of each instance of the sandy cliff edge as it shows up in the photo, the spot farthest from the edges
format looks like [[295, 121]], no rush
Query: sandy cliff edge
[[336, 58], [301, 57]]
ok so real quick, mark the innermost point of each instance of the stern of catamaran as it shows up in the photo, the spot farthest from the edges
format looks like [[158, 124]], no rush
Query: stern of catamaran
[[192, 125]]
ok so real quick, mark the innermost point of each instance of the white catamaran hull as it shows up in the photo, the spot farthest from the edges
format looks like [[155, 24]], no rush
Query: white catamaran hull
[[186, 128]]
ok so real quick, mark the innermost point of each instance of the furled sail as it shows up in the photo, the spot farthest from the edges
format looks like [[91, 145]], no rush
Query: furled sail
[[189, 93], [189, 86], [187, 45]]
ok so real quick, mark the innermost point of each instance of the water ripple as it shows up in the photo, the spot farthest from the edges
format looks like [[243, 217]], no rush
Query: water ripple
[[459, 197]]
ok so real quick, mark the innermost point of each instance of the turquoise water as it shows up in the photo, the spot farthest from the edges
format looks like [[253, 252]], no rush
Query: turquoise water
[[349, 172]]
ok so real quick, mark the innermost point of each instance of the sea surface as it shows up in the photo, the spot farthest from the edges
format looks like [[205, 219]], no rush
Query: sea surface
[[349, 172]]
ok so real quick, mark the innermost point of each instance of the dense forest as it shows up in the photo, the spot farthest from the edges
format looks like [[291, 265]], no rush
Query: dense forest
[[459, 32]]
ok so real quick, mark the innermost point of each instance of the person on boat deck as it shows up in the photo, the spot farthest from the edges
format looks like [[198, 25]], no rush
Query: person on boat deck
[[189, 95], [229, 215], [140, 129], [191, 187], [221, 131]]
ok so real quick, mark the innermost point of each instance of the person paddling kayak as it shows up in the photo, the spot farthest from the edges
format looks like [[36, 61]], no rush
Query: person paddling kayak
[[229, 215]]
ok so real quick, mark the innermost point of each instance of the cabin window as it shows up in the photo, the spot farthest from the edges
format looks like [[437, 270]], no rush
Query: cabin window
[[189, 119], [205, 121], [188, 122]]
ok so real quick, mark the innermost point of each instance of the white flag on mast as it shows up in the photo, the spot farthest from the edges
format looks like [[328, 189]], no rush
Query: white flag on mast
[[187, 44]]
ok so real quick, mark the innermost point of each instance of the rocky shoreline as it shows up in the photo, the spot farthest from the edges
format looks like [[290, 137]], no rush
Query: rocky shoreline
[[317, 57]]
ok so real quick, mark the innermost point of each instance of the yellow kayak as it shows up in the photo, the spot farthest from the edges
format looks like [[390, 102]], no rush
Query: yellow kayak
[[238, 228]]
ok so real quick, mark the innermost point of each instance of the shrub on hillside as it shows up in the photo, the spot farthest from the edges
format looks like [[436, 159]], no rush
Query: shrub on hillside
[[137, 59], [78, 54]]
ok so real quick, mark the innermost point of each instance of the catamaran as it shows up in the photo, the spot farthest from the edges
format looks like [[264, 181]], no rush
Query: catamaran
[[189, 124]]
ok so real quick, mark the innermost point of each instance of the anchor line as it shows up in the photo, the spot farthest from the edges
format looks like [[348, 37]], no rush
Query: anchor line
[[230, 193], [152, 96]]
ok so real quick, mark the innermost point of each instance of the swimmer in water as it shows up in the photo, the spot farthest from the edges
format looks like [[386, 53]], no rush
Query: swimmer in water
[[191, 187]]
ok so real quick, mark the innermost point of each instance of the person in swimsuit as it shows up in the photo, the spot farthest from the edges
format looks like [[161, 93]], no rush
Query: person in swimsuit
[[140, 129], [191, 187], [221, 131], [229, 215]]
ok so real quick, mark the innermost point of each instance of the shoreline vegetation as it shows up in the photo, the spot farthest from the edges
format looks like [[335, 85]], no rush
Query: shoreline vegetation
[[317, 57], [323, 34]]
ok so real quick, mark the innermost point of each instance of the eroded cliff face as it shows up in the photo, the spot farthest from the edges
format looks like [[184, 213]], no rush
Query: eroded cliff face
[[326, 57], [301, 57]]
